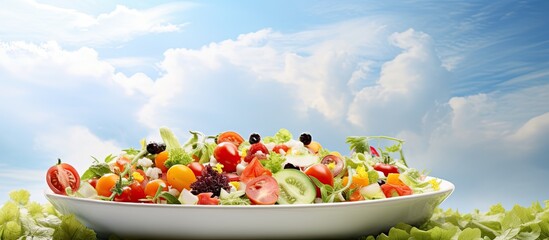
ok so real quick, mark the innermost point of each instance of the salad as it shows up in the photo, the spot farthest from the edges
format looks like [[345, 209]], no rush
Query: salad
[[226, 169]]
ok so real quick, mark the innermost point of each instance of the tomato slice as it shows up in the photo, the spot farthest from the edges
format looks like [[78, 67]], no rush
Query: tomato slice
[[393, 190], [207, 199], [253, 170], [262, 190], [230, 136], [386, 168], [61, 176]]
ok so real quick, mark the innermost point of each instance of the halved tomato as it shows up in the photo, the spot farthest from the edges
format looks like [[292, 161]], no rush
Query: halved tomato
[[262, 190], [230, 136], [61, 176]]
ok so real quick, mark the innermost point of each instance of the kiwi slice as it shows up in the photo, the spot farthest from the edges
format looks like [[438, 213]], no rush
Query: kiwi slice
[[295, 187]]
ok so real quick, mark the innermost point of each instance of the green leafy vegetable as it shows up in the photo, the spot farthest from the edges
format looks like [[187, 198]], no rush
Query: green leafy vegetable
[[201, 146], [273, 162], [358, 144], [176, 154], [97, 169], [518, 223], [22, 219], [71, 228], [282, 136]]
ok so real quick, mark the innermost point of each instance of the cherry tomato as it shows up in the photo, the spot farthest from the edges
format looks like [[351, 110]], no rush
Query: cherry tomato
[[227, 154], [230, 136], [180, 177], [337, 166], [61, 176], [258, 150], [386, 168], [207, 199], [280, 147], [131, 193], [253, 170], [152, 187], [196, 168], [392, 190], [262, 190], [105, 184], [160, 159]]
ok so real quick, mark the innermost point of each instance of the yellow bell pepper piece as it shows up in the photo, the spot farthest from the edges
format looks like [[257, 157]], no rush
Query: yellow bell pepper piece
[[393, 178]]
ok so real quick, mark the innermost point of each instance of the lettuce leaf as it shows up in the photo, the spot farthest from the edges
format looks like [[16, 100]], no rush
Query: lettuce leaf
[[283, 135], [497, 223]]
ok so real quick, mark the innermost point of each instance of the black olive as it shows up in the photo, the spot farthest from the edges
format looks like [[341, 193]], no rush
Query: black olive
[[290, 166], [305, 138], [380, 182], [254, 138], [155, 148]]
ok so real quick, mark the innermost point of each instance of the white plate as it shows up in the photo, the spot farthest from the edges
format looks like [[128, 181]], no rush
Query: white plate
[[328, 220]]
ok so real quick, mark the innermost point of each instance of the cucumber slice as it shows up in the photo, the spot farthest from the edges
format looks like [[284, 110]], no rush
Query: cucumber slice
[[295, 187]]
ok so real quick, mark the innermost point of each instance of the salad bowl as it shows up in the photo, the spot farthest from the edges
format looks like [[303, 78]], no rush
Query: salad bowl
[[315, 221]]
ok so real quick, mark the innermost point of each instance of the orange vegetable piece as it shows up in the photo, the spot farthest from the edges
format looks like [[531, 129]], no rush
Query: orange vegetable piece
[[160, 160]]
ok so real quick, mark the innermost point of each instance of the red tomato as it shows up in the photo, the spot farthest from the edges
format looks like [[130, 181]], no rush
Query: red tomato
[[207, 199], [393, 190], [61, 176], [386, 168], [226, 153], [262, 190], [280, 147], [131, 193], [197, 168], [230, 136], [322, 173], [256, 150], [253, 170]]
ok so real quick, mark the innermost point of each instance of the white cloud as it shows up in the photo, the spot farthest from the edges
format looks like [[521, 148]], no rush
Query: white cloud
[[308, 65], [42, 22], [74, 145], [408, 87], [137, 82], [43, 64]]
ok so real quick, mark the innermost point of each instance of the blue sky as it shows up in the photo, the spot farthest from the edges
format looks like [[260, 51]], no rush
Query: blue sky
[[465, 84]]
